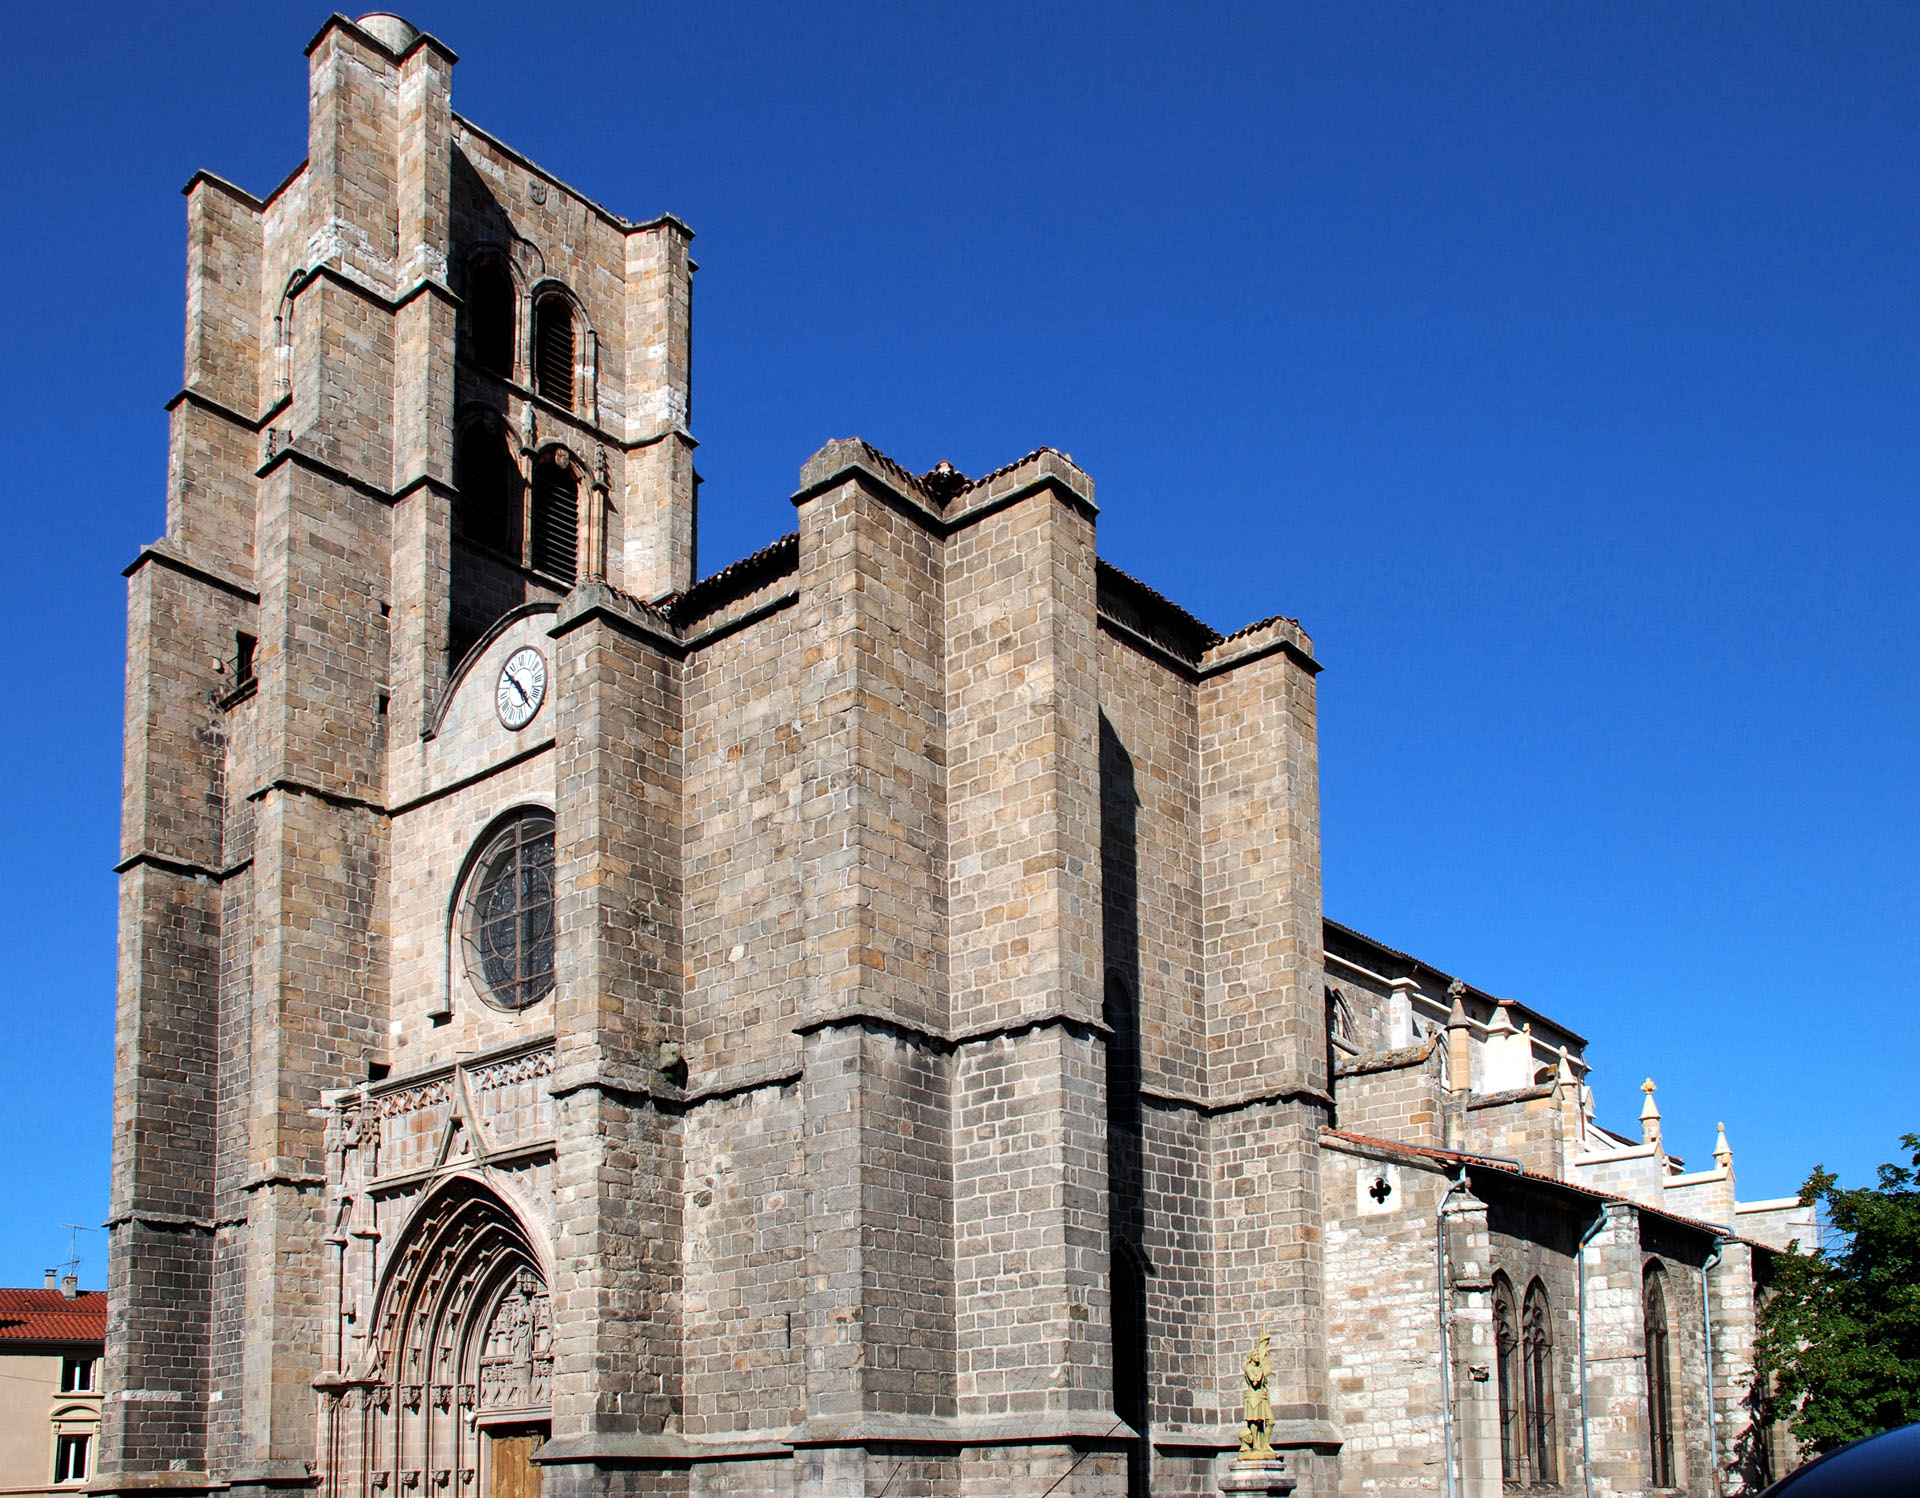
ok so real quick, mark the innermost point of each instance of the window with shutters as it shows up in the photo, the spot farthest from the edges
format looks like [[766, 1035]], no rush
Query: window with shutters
[[490, 315], [486, 510], [555, 537], [553, 349]]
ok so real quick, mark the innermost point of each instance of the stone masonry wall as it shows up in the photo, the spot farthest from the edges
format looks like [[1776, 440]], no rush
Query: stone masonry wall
[[1745, 1438], [1383, 1336], [1266, 1019], [746, 823], [1150, 861], [1182, 1334], [745, 1251], [1399, 1095], [1525, 1126], [1616, 1395]]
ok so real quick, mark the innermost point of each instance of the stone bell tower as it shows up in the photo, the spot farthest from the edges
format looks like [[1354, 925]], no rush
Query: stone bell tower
[[414, 300]]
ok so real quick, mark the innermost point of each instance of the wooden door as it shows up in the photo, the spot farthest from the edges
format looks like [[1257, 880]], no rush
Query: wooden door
[[511, 1472]]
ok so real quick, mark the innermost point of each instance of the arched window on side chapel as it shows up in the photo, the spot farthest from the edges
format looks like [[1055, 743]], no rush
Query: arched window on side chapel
[[1509, 1377], [1659, 1378], [1536, 1364], [1523, 1361]]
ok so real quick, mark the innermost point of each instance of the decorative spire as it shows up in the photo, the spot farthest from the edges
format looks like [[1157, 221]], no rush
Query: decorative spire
[[1722, 1151], [1649, 1115], [1459, 1045], [1573, 1121]]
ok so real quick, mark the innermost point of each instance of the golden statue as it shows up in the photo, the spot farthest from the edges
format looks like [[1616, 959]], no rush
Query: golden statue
[[1256, 1436]]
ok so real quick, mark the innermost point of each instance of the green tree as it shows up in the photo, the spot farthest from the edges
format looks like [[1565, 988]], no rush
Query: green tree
[[1840, 1338]]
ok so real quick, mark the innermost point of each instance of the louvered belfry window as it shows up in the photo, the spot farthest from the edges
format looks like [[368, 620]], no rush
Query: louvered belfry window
[[490, 301], [487, 511], [553, 350], [556, 521]]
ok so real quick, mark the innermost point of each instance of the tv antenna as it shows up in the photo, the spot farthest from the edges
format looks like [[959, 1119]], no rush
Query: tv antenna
[[72, 1265]]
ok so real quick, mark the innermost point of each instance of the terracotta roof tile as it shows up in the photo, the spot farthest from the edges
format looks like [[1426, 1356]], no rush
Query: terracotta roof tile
[[48, 1316], [1247, 629], [988, 478], [737, 579], [1153, 614]]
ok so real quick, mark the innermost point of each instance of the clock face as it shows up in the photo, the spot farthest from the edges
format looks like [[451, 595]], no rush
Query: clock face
[[522, 687]]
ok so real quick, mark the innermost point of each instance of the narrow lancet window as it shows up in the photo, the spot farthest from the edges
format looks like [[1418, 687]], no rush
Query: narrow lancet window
[[1536, 1365], [1659, 1380], [1510, 1381]]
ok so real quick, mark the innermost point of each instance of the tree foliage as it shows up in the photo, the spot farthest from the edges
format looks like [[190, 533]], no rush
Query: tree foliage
[[1840, 1338]]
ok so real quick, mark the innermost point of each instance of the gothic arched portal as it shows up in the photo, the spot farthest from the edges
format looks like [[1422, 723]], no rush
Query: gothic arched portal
[[458, 1395]]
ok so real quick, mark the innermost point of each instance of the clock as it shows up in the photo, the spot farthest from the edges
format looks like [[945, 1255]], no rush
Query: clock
[[522, 687]]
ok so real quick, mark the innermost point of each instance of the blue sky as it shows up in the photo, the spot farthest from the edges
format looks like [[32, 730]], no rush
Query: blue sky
[[1556, 365]]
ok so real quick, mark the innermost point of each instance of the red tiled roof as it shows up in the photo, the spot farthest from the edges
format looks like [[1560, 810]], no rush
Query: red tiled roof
[[48, 1316]]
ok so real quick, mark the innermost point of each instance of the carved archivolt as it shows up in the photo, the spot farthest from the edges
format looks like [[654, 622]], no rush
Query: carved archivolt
[[463, 1333]]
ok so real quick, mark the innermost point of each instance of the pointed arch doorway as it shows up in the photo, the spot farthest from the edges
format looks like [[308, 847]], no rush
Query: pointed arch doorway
[[464, 1365]]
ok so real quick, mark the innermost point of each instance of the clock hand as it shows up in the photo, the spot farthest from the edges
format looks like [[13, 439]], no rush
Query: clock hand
[[514, 682]]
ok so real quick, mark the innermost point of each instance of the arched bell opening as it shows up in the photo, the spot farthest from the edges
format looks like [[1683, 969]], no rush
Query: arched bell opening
[[458, 1396]]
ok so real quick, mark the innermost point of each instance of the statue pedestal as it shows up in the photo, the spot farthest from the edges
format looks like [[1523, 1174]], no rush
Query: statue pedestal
[[1268, 1475]]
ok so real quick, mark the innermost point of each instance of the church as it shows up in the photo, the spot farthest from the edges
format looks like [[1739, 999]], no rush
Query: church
[[860, 1023]]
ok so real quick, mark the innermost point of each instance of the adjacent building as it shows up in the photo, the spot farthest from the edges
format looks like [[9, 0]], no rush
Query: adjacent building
[[861, 1021], [51, 1341]]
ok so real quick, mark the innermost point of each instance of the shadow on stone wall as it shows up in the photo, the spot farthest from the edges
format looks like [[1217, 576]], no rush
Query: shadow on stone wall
[[1126, 1206]]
